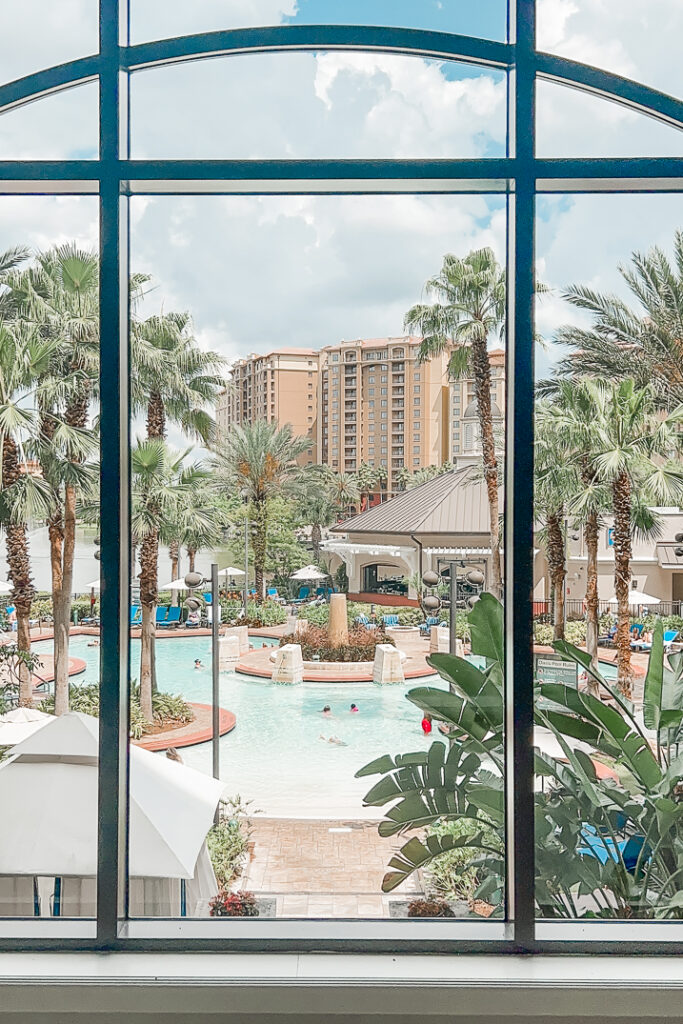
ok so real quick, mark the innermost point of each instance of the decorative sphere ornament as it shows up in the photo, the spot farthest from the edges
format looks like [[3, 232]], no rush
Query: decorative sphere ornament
[[192, 580], [430, 578], [432, 603], [475, 577]]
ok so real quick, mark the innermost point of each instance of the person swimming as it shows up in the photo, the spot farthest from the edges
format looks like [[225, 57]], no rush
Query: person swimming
[[327, 711], [197, 663], [334, 740], [354, 709], [93, 643]]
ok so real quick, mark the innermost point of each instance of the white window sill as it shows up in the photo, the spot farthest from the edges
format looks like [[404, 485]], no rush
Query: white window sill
[[309, 986]]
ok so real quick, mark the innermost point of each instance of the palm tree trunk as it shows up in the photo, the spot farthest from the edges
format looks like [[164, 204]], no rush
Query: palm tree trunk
[[260, 542], [621, 498], [156, 416], [482, 389], [316, 537], [590, 533], [558, 569], [174, 552], [18, 569], [149, 556], [191, 555], [61, 600]]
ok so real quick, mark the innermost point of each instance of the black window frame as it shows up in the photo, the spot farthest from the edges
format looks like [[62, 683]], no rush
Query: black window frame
[[521, 176]]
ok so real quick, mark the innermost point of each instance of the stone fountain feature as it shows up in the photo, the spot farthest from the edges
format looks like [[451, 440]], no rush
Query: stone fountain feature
[[339, 623]]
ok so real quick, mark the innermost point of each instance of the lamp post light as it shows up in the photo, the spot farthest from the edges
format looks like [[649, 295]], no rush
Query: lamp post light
[[192, 581]]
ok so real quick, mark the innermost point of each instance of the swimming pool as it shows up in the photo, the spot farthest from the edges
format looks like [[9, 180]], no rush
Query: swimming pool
[[275, 756]]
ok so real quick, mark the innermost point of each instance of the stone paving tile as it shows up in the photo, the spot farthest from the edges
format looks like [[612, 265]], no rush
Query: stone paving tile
[[313, 872]]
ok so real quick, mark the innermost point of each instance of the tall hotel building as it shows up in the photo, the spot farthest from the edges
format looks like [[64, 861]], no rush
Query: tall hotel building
[[379, 405], [279, 387]]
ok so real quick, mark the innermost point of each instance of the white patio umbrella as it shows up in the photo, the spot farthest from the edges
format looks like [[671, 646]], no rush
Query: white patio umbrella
[[21, 723], [231, 571], [309, 572], [48, 798], [5, 588], [95, 585], [636, 598], [175, 585]]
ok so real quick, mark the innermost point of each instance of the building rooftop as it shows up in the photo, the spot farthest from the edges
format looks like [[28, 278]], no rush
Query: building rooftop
[[449, 504]]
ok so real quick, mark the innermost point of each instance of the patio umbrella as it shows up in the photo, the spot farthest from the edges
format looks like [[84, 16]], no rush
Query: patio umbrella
[[636, 598], [175, 585], [48, 798], [21, 723], [95, 585], [231, 571], [5, 588], [309, 572]]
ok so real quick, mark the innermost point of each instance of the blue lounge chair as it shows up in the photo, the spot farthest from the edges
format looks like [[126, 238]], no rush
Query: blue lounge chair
[[363, 620], [135, 615], [390, 620], [603, 848], [304, 593], [161, 616], [173, 618], [426, 626], [272, 593], [608, 639]]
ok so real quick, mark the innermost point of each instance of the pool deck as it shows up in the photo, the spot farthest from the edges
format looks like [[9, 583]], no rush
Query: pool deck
[[200, 730]]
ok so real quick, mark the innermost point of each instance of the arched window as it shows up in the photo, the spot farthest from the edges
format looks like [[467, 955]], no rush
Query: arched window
[[277, 111]]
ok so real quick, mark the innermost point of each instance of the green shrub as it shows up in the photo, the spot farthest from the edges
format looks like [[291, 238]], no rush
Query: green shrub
[[317, 615], [410, 617], [450, 875], [167, 708], [41, 608], [360, 646], [228, 841], [270, 613]]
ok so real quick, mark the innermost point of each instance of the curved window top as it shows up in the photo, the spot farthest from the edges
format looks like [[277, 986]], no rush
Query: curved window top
[[35, 35], [62, 126], [318, 105], [639, 41], [152, 20]]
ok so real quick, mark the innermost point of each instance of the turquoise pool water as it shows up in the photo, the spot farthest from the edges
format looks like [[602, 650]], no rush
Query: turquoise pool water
[[275, 755]]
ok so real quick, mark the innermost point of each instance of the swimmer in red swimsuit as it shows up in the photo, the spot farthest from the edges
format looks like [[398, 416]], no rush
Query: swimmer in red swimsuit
[[427, 724]]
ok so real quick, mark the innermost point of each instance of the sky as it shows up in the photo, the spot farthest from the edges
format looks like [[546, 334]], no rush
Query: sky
[[258, 272]]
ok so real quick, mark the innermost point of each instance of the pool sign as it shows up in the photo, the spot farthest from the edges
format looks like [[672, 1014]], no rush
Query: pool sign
[[551, 668]]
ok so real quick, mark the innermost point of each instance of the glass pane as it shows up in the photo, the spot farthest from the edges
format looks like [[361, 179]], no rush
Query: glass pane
[[627, 38], [59, 127], [276, 284], [318, 105], [36, 35], [48, 564], [149, 20], [608, 575], [575, 124]]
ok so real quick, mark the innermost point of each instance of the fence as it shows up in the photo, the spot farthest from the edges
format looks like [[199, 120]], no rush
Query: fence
[[576, 609]]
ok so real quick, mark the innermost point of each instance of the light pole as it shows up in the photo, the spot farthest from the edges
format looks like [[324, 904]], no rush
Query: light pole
[[246, 565], [192, 581]]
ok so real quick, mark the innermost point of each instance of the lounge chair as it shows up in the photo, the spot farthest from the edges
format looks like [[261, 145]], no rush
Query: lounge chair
[[363, 620], [304, 593], [161, 616], [603, 848], [608, 639], [390, 620], [670, 637], [173, 618], [135, 615], [426, 626]]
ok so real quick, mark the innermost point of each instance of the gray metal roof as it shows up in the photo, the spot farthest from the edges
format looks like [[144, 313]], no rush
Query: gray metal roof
[[667, 557], [454, 503]]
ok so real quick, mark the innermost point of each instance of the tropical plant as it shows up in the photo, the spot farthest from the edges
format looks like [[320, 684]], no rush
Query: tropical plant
[[167, 709], [469, 307], [158, 487], [259, 461], [228, 840], [605, 847], [173, 378], [234, 904], [635, 452], [645, 344]]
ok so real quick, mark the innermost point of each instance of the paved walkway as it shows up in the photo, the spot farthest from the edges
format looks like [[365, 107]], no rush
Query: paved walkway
[[323, 868]]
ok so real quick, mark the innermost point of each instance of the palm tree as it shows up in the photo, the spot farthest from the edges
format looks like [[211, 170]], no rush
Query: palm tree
[[259, 461], [469, 307], [622, 342], [636, 453], [157, 490], [23, 497], [319, 511], [172, 378], [201, 514], [345, 491], [555, 482], [59, 294]]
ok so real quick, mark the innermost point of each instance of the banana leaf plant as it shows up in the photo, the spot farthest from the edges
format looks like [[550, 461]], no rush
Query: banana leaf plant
[[605, 846]]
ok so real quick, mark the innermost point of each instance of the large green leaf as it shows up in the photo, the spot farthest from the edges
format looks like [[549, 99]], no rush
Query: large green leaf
[[654, 680], [451, 708], [480, 688], [486, 629], [387, 763], [416, 854]]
